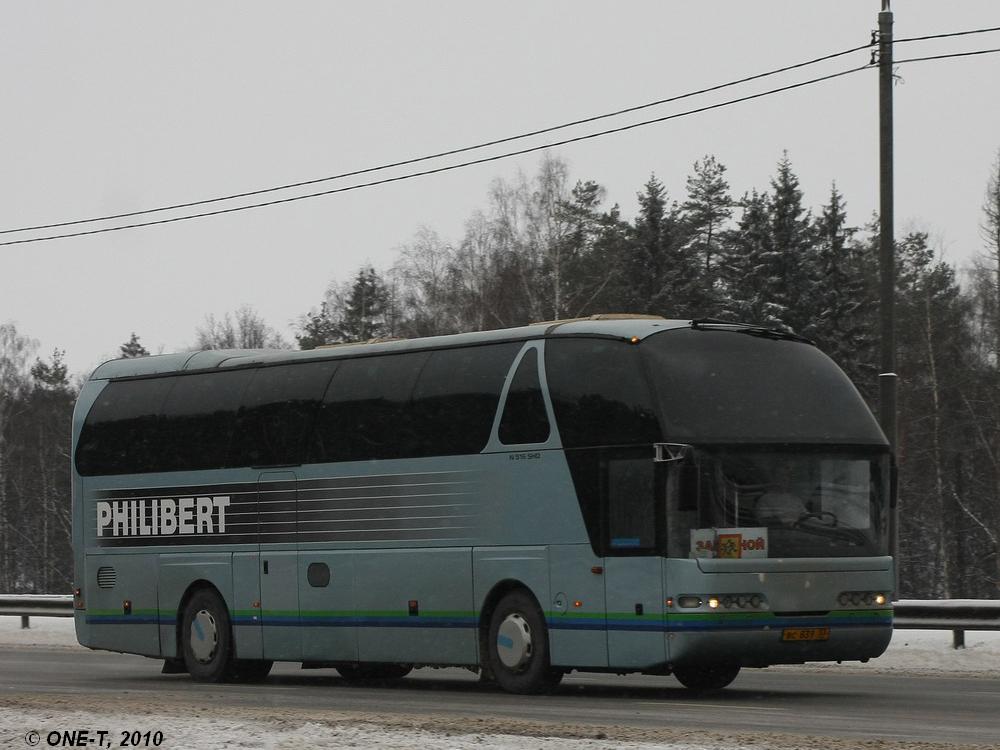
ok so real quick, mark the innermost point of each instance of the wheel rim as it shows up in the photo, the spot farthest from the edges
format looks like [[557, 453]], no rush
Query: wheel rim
[[204, 636], [514, 646]]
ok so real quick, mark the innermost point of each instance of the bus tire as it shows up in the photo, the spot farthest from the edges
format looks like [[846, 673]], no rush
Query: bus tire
[[706, 677], [374, 672], [207, 638], [517, 646]]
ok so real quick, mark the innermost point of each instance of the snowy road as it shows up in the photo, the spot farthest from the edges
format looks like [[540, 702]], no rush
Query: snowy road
[[43, 685]]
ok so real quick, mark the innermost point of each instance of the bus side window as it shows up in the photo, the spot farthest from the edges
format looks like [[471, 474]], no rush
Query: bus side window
[[456, 398], [278, 412], [118, 434], [367, 412], [631, 504], [599, 393], [199, 415], [524, 419]]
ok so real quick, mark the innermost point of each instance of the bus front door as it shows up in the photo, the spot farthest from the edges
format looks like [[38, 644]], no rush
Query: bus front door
[[277, 510]]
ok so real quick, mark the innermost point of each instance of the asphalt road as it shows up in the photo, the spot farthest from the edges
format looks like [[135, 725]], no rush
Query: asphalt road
[[851, 705]]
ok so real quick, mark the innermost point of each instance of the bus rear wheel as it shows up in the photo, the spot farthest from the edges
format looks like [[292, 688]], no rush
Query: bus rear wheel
[[207, 638], [518, 646], [707, 677], [373, 672]]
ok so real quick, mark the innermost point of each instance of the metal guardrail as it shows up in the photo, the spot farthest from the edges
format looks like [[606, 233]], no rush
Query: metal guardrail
[[36, 605], [957, 615]]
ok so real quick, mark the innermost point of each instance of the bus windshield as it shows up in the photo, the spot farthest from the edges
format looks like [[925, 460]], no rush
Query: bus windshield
[[753, 503]]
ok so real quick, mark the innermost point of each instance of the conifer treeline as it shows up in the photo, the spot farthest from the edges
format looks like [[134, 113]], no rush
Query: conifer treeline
[[547, 248]]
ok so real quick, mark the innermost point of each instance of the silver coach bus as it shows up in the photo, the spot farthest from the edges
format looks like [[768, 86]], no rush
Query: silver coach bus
[[614, 494]]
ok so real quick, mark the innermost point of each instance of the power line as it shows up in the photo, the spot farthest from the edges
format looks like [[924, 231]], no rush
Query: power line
[[945, 36], [944, 57], [483, 160], [450, 152], [450, 167]]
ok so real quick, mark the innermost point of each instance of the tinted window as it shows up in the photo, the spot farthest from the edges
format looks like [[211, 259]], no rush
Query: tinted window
[[367, 412], [199, 415], [599, 393], [631, 504], [727, 386], [524, 419], [120, 433], [456, 398], [277, 414]]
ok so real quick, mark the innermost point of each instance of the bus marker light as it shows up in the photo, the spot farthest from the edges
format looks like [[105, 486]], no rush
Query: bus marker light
[[577, 603], [414, 607], [634, 340], [127, 606], [670, 601], [597, 570]]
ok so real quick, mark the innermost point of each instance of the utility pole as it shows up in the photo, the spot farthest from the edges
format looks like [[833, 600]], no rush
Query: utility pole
[[887, 258]]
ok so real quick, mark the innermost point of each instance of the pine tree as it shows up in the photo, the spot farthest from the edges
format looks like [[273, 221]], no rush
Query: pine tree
[[364, 311], [316, 328], [132, 349], [747, 271], [838, 307], [707, 208], [791, 256]]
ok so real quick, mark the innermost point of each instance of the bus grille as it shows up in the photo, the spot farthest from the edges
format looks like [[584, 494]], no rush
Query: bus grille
[[106, 577]]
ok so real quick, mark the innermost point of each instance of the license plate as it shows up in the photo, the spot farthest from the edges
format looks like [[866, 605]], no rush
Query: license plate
[[805, 634]]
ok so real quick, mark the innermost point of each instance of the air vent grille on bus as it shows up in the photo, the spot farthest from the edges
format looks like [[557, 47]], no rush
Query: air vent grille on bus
[[107, 577]]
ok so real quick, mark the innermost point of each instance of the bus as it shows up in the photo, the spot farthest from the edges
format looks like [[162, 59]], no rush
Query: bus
[[611, 494]]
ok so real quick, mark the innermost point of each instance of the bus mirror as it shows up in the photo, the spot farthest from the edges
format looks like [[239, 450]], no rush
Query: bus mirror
[[672, 452]]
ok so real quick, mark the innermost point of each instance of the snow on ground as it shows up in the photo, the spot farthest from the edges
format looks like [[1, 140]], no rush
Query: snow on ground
[[926, 652], [217, 733]]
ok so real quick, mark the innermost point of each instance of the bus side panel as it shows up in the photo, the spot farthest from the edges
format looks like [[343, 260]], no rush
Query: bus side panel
[[415, 606], [246, 612], [634, 587], [126, 595], [326, 606], [177, 572], [577, 635], [528, 566]]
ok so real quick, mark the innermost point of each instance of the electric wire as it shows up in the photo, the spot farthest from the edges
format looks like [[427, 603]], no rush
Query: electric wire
[[450, 167], [449, 152], [496, 157], [946, 35], [950, 55]]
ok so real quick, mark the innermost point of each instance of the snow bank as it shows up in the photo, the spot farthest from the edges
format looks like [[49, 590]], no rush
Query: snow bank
[[180, 733]]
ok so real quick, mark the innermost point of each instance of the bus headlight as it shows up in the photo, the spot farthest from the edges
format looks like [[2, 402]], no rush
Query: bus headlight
[[862, 599]]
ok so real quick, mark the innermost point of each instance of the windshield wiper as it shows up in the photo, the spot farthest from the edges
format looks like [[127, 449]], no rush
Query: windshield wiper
[[753, 329]]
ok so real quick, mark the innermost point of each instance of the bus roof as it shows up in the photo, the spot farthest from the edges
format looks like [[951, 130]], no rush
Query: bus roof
[[613, 325]]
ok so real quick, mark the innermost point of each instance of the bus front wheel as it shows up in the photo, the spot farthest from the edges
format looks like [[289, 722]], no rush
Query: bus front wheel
[[206, 637], [706, 677], [518, 646]]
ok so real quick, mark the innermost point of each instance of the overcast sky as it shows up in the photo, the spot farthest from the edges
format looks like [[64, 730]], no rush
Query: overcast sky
[[119, 106]]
